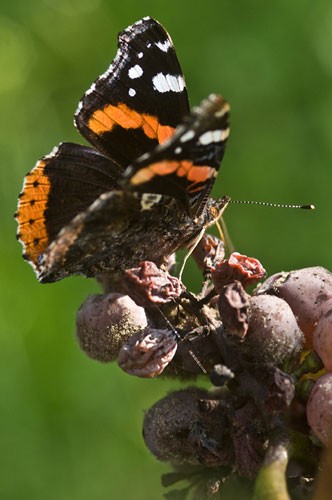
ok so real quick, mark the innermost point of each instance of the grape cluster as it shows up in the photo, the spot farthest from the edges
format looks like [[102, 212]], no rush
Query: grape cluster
[[265, 348]]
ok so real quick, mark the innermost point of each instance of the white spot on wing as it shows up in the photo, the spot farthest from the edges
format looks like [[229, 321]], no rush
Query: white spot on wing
[[149, 199], [140, 55], [160, 83], [91, 89], [168, 83], [224, 134], [79, 108], [225, 109], [164, 46], [144, 156], [206, 138], [135, 72], [137, 23], [178, 150], [53, 153], [187, 136], [213, 136], [132, 92]]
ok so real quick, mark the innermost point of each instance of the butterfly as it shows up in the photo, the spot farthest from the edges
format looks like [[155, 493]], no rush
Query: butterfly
[[142, 191]]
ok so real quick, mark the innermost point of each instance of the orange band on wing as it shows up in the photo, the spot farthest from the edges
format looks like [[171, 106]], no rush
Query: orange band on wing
[[103, 120], [184, 168], [147, 173], [200, 173], [30, 214]]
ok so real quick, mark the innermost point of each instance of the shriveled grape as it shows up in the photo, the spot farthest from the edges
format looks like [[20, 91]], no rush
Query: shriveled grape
[[188, 427], [105, 322]]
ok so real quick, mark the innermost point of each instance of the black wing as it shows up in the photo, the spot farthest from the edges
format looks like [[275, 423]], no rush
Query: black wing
[[139, 100]]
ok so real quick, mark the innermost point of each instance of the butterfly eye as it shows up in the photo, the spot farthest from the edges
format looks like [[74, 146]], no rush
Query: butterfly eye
[[215, 213]]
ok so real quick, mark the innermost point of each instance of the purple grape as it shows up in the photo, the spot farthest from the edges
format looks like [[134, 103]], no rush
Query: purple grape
[[319, 408], [273, 334], [322, 335], [105, 322]]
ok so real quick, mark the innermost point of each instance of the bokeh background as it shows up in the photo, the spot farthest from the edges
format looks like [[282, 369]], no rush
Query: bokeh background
[[70, 428]]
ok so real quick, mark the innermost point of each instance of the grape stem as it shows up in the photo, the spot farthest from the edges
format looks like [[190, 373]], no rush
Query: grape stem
[[271, 483]]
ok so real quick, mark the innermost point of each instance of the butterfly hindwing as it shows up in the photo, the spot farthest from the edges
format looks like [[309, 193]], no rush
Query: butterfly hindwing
[[61, 185], [116, 233]]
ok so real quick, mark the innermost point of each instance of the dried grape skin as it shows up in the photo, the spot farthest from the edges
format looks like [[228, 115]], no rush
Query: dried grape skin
[[146, 354]]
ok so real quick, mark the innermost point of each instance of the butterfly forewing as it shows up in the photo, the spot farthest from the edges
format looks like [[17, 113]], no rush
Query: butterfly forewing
[[187, 164], [139, 100]]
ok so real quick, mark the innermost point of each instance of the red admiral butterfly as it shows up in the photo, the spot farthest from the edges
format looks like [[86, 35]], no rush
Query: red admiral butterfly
[[143, 192]]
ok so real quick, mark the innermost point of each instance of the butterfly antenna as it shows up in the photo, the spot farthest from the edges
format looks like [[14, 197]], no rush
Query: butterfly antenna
[[275, 205], [222, 228]]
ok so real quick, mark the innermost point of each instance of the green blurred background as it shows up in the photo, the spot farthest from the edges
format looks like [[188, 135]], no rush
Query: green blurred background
[[70, 427]]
